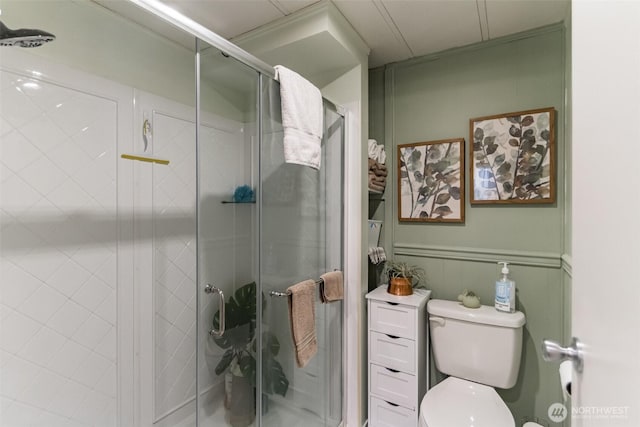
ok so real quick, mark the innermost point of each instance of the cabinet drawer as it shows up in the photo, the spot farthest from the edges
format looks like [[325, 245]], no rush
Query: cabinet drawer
[[385, 414], [393, 386], [393, 319], [392, 352]]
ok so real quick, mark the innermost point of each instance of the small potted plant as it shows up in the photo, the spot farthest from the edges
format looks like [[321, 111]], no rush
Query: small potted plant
[[403, 277], [238, 363]]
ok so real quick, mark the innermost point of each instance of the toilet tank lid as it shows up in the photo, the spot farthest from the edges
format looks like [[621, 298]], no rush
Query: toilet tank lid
[[484, 314]]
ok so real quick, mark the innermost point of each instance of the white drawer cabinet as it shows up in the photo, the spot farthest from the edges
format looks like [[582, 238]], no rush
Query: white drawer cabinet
[[398, 365]]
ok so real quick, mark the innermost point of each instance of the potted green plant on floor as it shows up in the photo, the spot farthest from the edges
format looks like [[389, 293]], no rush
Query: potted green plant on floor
[[403, 277], [238, 363]]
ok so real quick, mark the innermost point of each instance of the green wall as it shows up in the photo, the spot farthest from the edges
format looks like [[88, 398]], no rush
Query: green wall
[[433, 98]]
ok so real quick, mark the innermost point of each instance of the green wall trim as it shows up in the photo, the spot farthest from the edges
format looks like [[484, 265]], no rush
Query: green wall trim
[[567, 265], [489, 255], [559, 26]]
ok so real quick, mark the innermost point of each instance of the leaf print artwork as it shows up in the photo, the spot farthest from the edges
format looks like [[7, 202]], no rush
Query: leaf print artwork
[[431, 181], [512, 160]]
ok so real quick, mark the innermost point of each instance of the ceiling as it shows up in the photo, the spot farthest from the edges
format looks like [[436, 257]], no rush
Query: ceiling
[[394, 30]]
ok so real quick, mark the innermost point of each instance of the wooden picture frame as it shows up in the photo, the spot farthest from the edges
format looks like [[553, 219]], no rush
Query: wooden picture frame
[[431, 181], [512, 159]]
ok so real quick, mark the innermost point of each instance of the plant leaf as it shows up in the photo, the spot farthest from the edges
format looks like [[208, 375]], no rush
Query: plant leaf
[[442, 211], [443, 198], [527, 121], [455, 192], [478, 134], [491, 148], [224, 363], [514, 131], [507, 187], [489, 140], [513, 142], [499, 160], [504, 168]]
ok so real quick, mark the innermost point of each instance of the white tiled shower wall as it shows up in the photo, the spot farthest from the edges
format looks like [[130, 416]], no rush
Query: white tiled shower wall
[[58, 254], [60, 189]]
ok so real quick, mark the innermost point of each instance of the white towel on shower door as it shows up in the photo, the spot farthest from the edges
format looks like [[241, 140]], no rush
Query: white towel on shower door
[[302, 118]]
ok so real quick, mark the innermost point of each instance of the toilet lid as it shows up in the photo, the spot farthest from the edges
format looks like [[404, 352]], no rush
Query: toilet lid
[[461, 403]]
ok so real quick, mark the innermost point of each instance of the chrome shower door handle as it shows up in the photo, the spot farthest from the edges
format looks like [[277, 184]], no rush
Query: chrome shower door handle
[[221, 316], [554, 352]]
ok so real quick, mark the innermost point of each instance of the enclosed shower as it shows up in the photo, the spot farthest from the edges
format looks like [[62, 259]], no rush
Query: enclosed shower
[[150, 228]]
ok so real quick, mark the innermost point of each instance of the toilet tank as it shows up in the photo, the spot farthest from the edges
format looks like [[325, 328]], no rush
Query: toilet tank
[[477, 344]]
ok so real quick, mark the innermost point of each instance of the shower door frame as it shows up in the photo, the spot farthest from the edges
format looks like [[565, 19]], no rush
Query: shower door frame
[[202, 33]]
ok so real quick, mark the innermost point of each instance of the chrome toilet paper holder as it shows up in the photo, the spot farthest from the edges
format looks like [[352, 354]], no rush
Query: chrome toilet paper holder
[[554, 352]]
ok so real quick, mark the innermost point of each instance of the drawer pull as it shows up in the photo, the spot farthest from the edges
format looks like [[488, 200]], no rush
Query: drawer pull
[[392, 404], [392, 303], [393, 337], [395, 371]]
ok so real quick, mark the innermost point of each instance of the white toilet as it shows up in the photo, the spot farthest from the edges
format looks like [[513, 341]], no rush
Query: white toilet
[[479, 349]]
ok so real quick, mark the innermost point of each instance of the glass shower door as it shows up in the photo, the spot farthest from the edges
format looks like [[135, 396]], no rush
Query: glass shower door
[[300, 239], [227, 258]]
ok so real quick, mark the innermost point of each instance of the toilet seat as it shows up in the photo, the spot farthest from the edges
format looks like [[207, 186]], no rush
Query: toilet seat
[[460, 403]]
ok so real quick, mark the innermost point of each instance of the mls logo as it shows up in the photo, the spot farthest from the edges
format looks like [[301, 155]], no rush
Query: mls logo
[[557, 412]]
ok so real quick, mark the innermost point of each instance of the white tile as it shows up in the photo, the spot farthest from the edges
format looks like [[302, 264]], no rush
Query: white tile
[[186, 319], [171, 340], [91, 332], [16, 331], [17, 375], [108, 383], [98, 139], [67, 399], [107, 308], [21, 415], [40, 348], [71, 116], [109, 417], [172, 277], [67, 360], [186, 260], [43, 133], [5, 312], [172, 309], [5, 127], [43, 175], [69, 318], [16, 284], [108, 346], [16, 240], [91, 370], [17, 108], [68, 157], [68, 196], [42, 389], [185, 290], [69, 278], [50, 96], [17, 195], [92, 257], [92, 293], [49, 419], [17, 151], [43, 303], [94, 404], [42, 264], [108, 271]]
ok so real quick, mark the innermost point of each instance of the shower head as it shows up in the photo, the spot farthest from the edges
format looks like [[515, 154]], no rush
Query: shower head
[[23, 37]]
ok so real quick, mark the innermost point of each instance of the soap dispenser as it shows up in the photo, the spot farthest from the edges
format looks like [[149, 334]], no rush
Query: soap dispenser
[[505, 291]]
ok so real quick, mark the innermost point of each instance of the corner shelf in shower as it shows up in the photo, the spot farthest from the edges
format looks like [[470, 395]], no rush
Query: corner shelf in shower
[[251, 202]]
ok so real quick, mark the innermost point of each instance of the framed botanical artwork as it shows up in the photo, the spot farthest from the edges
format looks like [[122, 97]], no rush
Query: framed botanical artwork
[[431, 181], [513, 157]]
